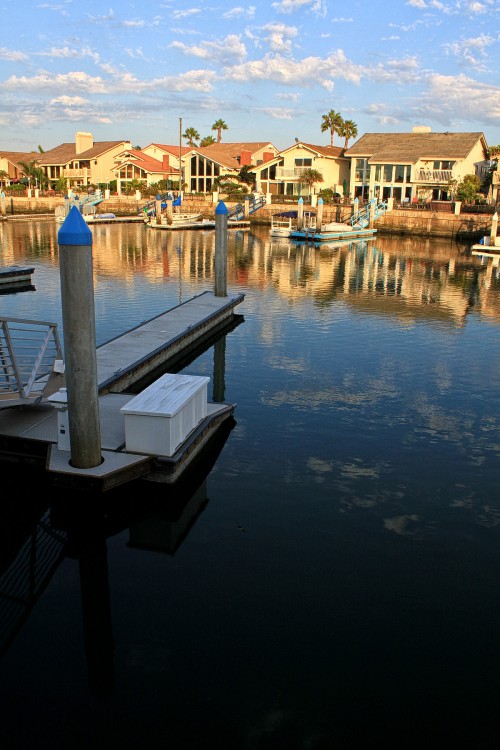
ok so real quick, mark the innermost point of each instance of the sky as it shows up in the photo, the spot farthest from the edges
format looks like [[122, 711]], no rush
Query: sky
[[146, 71]]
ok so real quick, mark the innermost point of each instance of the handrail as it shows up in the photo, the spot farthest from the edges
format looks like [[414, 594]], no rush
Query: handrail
[[238, 212], [31, 363]]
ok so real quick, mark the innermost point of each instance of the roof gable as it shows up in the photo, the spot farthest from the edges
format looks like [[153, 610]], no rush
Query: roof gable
[[409, 148]]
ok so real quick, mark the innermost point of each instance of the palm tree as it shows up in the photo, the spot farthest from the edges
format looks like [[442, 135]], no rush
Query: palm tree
[[219, 126], [191, 136], [331, 122], [309, 176], [34, 173], [207, 141], [348, 130]]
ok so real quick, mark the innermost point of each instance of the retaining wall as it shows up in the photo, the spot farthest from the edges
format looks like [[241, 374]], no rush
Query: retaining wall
[[469, 227]]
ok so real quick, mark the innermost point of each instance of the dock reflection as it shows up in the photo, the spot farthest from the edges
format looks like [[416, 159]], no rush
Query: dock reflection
[[37, 538]]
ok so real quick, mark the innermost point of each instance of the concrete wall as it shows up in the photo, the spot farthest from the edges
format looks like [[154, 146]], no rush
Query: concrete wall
[[402, 222]]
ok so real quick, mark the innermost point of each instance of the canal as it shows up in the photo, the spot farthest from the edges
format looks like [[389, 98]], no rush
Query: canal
[[328, 577]]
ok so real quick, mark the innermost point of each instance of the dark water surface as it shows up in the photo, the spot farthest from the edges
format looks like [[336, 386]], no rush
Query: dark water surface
[[330, 579]]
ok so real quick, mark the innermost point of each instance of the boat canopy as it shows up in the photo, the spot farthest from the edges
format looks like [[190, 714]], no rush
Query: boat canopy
[[291, 214]]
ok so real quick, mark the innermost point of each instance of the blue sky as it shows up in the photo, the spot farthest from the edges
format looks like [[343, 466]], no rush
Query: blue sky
[[270, 70]]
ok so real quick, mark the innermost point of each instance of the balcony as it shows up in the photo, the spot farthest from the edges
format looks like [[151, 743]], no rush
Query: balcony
[[74, 173], [290, 174], [433, 176]]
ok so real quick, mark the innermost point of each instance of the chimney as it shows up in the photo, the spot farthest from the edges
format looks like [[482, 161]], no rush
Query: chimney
[[245, 159], [83, 142], [267, 156], [165, 163]]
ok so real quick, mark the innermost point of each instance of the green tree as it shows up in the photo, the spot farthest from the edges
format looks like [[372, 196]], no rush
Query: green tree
[[219, 126], [331, 123], [467, 189], [34, 173], [246, 175], [309, 176], [3, 177], [348, 130], [40, 150], [207, 141], [191, 135]]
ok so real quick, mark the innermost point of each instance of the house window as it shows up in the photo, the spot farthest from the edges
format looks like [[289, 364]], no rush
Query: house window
[[303, 162], [399, 173]]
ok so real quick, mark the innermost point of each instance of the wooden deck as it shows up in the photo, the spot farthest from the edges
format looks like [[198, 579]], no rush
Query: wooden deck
[[29, 434]]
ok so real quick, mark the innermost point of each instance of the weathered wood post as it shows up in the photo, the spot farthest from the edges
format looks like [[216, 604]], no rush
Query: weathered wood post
[[319, 215], [300, 214], [246, 209], [158, 209], [2, 203], [220, 287], [494, 229], [372, 213], [170, 209], [80, 356]]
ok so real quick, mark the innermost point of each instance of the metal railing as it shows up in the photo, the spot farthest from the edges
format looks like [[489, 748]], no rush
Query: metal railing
[[31, 363]]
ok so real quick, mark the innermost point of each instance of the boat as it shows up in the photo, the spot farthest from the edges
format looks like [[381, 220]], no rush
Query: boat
[[330, 232], [285, 222]]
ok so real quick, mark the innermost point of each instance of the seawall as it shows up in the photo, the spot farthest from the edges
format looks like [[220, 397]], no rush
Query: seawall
[[424, 223]]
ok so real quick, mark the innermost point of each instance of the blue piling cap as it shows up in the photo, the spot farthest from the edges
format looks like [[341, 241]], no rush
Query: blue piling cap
[[75, 230], [320, 200], [221, 208]]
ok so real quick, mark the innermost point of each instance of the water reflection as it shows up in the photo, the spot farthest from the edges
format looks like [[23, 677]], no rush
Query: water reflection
[[402, 277]]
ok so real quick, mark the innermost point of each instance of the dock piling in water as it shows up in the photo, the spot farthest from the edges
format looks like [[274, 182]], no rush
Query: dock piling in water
[[78, 315]]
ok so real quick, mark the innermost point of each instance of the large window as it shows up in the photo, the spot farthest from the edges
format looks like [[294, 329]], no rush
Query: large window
[[303, 162]]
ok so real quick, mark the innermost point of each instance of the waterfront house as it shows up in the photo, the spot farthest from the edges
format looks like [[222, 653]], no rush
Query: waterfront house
[[283, 175], [409, 167], [149, 165], [85, 162], [10, 164], [203, 165]]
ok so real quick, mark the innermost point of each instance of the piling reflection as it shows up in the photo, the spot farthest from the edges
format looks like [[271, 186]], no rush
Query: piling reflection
[[36, 538], [412, 271]]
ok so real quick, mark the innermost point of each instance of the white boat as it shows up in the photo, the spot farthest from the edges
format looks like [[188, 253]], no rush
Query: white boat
[[283, 223], [286, 222]]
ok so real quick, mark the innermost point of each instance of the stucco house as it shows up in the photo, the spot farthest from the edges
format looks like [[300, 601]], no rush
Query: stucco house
[[10, 164], [282, 175], [420, 165], [203, 165], [149, 165], [82, 163]]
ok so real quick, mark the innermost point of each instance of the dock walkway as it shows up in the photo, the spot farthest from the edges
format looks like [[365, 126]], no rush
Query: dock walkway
[[30, 434]]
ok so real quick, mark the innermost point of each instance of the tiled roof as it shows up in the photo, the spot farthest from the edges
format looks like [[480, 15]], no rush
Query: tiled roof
[[153, 166], [16, 156], [66, 152], [226, 154], [174, 150], [408, 148], [328, 151]]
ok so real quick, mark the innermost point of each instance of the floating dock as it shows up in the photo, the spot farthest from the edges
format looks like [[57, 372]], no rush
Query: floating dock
[[31, 435]]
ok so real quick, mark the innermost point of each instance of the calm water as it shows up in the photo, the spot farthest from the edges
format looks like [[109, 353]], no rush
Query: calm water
[[331, 577]]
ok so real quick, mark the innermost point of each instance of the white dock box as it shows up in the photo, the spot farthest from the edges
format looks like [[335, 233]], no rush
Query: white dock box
[[161, 417]]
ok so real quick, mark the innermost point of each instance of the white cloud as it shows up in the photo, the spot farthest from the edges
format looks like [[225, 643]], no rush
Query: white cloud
[[226, 51]]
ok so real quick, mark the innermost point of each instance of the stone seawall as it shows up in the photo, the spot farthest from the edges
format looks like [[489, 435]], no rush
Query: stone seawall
[[424, 223]]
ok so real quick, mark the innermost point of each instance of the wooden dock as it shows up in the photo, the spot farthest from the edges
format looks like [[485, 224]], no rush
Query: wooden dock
[[29, 435], [10, 275]]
